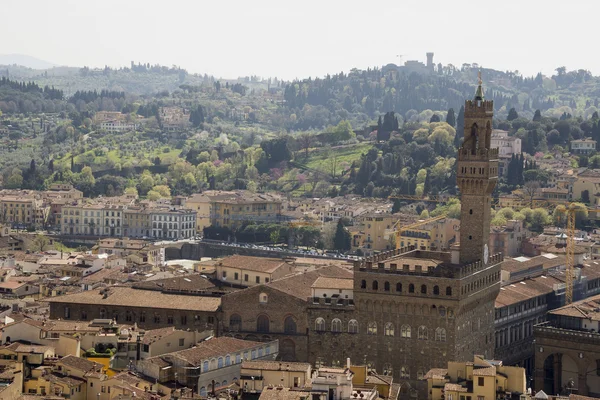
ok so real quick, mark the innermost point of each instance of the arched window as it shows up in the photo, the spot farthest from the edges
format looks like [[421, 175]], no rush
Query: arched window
[[411, 288], [420, 374], [289, 325], [442, 311], [389, 329], [263, 298], [336, 325], [398, 287], [320, 325], [448, 291], [353, 326], [205, 366], [372, 328], [262, 324], [404, 373], [386, 286], [375, 285], [422, 333], [436, 290], [440, 334], [203, 391], [363, 284], [220, 362], [102, 313], [405, 331], [387, 369], [227, 360], [423, 289], [235, 323]]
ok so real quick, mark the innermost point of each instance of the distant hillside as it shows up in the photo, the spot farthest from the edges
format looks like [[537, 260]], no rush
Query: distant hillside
[[25, 61]]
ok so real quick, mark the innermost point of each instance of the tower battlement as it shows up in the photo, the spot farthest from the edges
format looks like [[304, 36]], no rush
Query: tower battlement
[[479, 107]]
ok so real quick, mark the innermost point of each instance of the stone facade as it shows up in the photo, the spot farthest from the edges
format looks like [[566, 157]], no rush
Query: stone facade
[[414, 310]]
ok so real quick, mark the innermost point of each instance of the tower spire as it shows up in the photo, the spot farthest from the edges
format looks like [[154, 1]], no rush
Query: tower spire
[[479, 92]]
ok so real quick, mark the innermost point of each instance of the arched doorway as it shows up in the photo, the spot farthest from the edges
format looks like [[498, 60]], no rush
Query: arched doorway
[[549, 374], [287, 350]]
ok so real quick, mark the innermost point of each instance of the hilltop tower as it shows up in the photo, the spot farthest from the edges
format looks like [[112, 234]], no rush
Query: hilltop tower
[[430, 61], [476, 177]]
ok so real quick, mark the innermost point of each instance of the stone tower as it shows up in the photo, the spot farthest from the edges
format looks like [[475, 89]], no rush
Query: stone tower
[[430, 61], [476, 177]]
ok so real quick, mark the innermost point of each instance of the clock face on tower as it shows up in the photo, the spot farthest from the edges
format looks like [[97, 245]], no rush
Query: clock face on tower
[[485, 254]]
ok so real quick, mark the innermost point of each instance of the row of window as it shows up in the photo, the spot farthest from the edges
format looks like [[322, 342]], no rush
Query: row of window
[[399, 288], [236, 277], [131, 317], [480, 283], [389, 329], [171, 218], [217, 363]]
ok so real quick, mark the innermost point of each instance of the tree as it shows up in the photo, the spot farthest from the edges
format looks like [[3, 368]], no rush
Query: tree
[[537, 117], [531, 189], [40, 242], [460, 127], [451, 118], [197, 116], [341, 240], [434, 118], [512, 115], [304, 141]]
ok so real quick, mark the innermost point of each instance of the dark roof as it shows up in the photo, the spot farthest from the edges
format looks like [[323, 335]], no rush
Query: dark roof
[[126, 296]]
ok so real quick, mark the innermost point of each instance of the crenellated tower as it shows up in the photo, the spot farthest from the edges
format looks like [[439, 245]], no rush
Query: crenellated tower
[[476, 177]]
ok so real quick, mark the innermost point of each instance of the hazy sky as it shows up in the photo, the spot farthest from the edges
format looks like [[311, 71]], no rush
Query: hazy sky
[[288, 39]]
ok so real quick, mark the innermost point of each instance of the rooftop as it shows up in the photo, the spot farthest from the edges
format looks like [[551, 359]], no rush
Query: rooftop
[[585, 309], [258, 264], [276, 366], [130, 297], [210, 348], [323, 282]]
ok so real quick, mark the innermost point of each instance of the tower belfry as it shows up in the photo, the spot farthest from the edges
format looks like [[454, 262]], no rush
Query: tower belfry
[[476, 177]]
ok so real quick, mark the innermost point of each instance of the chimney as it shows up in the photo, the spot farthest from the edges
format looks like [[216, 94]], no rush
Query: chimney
[[348, 362]]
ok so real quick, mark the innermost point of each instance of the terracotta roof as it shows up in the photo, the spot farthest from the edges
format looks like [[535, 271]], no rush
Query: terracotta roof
[[453, 387], [588, 308], [214, 347], [436, 373], [489, 371], [125, 296], [188, 283], [300, 285], [80, 363], [333, 283], [276, 366], [281, 393], [258, 264], [523, 263], [526, 289], [28, 348], [153, 335], [64, 379]]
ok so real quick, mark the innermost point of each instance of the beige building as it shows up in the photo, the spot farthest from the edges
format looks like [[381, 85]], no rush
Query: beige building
[[480, 379], [587, 185], [257, 375], [508, 239], [92, 219], [435, 236], [373, 232], [23, 209], [251, 271], [583, 146], [232, 209]]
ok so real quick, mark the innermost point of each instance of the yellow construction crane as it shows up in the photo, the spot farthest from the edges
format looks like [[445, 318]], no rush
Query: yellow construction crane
[[398, 229]]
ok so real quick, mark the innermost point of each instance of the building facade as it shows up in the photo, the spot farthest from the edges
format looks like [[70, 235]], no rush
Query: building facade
[[414, 310]]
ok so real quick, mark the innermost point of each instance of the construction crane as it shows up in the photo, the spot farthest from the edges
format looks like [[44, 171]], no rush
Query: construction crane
[[399, 229]]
